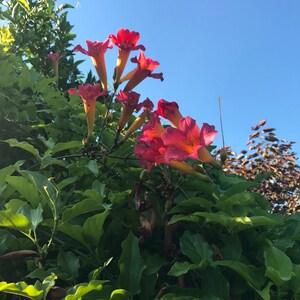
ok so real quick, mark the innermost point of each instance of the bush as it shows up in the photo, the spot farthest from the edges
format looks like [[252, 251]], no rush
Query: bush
[[81, 219], [275, 162]]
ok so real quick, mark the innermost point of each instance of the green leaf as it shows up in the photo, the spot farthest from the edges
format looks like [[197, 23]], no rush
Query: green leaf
[[97, 272], [44, 185], [22, 289], [214, 282], [74, 231], [35, 216], [46, 285], [93, 228], [49, 161], [67, 182], [14, 221], [44, 83], [279, 265], [3, 186], [295, 280], [253, 275], [180, 268], [93, 167], [80, 290], [25, 188], [264, 221], [178, 218], [82, 207], [265, 292], [39, 273], [131, 265], [191, 205], [69, 263], [7, 171], [120, 294], [153, 263], [15, 205], [25, 146], [237, 204], [66, 146], [218, 217], [239, 187], [48, 143], [232, 250], [176, 293], [196, 248], [24, 4]]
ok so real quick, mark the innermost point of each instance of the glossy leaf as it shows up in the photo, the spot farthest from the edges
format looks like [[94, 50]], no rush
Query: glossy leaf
[[69, 262], [131, 265], [180, 268], [22, 289], [82, 207], [14, 221], [278, 264], [93, 228], [120, 294], [195, 248], [215, 283], [80, 290], [25, 188], [253, 275], [93, 167]]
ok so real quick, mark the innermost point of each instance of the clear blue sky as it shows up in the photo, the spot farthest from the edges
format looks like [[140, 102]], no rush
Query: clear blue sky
[[246, 51]]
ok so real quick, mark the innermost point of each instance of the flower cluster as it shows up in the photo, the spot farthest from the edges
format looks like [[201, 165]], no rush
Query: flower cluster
[[174, 144], [157, 144], [126, 41]]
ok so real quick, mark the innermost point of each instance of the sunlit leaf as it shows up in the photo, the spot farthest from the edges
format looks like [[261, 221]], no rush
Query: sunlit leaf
[[14, 221], [25, 4], [120, 294], [80, 290], [22, 289]]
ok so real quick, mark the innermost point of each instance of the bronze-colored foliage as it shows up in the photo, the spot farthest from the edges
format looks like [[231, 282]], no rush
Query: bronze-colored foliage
[[275, 158]]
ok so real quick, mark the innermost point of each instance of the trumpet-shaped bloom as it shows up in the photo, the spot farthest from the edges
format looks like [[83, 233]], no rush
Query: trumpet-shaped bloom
[[150, 153], [54, 57], [96, 51], [140, 120], [151, 130], [126, 41], [153, 153], [145, 67], [169, 111], [187, 140], [89, 95], [130, 101]]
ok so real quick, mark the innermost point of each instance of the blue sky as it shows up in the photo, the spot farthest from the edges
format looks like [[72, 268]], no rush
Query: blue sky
[[245, 51]]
